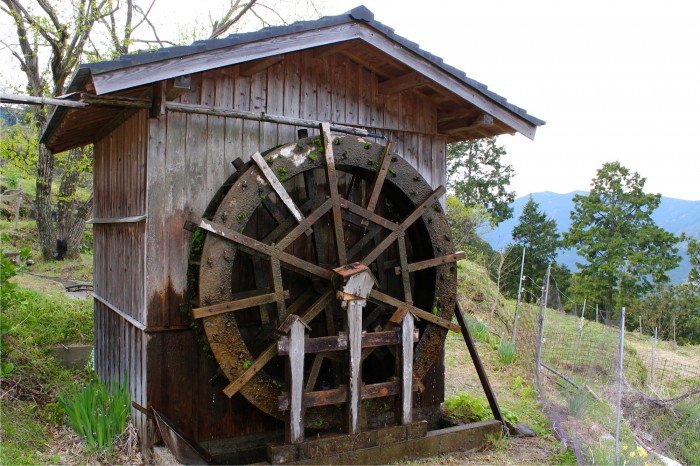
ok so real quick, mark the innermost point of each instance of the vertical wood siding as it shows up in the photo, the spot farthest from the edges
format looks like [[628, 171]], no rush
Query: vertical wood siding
[[119, 259], [189, 158]]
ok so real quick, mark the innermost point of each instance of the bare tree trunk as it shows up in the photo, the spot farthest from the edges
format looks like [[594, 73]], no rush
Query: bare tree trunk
[[72, 213], [44, 222]]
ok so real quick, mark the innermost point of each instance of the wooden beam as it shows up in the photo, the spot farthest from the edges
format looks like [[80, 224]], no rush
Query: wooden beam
[[265, 117], [402, 83], [110, 220], [332, 179], [378, 296], [434, 262], [237, 305], [282, 193], [178, 86], [255, 66], [255, 245], [458, 126], [32, 100], [447, 81], [328, 50], [137, 75], [271, 351]]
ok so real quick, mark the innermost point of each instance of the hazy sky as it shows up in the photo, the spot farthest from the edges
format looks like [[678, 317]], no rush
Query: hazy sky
[[614, 80]]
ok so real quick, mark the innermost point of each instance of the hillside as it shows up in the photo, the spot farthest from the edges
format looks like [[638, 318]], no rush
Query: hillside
[[674, 215]]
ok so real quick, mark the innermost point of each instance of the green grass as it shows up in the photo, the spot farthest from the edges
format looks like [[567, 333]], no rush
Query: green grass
[[23, 435], [32, 324]]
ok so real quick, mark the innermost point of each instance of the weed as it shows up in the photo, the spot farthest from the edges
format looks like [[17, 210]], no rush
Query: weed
[[506, 351], [477, 329], [467, 408], [579, 403], [98, 413], [313, 156]]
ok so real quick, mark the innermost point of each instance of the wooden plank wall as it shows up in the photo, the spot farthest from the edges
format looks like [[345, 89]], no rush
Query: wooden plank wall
[[189, 158], [119, 259]]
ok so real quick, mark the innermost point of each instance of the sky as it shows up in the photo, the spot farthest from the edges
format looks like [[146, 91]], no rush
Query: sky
[[614, 80]]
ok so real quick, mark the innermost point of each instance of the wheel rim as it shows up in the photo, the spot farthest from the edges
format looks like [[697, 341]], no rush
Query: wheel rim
[[251, 257]]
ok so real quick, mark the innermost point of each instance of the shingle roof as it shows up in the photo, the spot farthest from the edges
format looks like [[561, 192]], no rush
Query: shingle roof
[[170, 55], [360, 13]]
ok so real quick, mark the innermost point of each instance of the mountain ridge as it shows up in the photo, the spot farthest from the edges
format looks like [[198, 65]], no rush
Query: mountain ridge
[[673, 215]]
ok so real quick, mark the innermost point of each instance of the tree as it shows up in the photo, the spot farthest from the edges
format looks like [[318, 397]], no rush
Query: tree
[[625, 252], [478, 177], [538, 235], [64, 33], [465, 223]]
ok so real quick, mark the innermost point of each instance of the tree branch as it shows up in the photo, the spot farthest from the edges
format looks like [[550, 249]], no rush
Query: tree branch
[[221, 27]]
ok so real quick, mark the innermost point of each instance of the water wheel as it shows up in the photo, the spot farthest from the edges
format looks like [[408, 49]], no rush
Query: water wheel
[[274, 234]]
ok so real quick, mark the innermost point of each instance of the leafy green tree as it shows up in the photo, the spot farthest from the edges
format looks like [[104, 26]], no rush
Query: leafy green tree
[[538, 234], [625, 252], [693, 252], [51, 38], [478, 177]]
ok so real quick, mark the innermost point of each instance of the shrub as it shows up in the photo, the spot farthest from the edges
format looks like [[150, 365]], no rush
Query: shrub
[[506, 351], [97, 414]]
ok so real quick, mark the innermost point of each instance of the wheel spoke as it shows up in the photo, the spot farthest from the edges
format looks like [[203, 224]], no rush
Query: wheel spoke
[[379, 178], [335, 197], [289, 259], [244, 303], [415, 215], [277, 186], [271, 351], [382, 298], [306, 224]]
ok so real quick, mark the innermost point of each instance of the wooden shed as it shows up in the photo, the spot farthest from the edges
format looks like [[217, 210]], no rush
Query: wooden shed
[[175, 132]]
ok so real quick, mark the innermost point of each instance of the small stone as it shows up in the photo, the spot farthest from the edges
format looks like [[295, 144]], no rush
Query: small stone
[[521, 430]]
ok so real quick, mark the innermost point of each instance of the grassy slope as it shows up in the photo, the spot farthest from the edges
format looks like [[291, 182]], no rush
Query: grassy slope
[[40, 320], [36, 317]]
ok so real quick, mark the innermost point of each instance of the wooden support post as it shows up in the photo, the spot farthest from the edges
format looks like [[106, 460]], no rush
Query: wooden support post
[[358, 283], [354, 366], [407, 326], [295, 327]]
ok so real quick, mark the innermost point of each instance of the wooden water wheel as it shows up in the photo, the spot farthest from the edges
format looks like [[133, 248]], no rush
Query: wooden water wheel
[[274, 234]]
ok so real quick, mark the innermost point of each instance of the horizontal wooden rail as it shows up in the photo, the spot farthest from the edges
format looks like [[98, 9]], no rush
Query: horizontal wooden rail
[[136, 323], [109, 220]]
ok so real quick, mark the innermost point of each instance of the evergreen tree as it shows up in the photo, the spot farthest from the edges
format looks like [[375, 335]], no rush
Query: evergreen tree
[[625, 251], [538, 234], [479, 178]]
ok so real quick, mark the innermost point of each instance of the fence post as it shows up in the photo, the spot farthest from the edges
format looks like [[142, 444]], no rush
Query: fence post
[[653, 359], [621, 354], [517, 303], [580, 334], [596, 313], [543, 316]]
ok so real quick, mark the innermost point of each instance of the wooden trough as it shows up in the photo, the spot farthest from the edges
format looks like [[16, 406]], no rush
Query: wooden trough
[[273, 266]]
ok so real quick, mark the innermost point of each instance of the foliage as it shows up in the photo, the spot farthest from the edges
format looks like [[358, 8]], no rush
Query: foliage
[[478, 177], [465, 407], [693, 252], [538, 234], [98, 412], [613, 231], [32, 324], [477, 329], [506, 351], [467, 224]]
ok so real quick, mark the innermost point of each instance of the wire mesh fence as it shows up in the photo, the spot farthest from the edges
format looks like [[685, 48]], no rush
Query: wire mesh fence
[[579, 383]]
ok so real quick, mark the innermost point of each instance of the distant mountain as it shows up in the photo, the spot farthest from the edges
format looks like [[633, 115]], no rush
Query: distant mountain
[[674, 215]]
